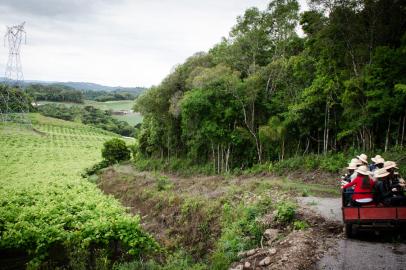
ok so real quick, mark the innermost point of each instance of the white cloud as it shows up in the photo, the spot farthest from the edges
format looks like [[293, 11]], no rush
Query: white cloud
[[125, 42]]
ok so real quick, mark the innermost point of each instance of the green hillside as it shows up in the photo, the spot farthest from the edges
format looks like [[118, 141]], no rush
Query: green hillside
[[132, 118], [44, 201]]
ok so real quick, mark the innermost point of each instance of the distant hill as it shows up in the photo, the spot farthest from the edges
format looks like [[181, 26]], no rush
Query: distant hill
[[86, 86]]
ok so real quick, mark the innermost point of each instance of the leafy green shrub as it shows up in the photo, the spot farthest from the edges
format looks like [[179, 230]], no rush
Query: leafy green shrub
[[285, 212], [179, 166], [95, 168], [300, 225], [162, 182], [241, 230], [178, 261], [305, 192], [115, 150], [332, 162]]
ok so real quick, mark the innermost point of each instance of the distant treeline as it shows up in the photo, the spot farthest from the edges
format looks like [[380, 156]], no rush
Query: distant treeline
[[54, 92], [103, 96], [265, 93], [63, 93], [88, 115]]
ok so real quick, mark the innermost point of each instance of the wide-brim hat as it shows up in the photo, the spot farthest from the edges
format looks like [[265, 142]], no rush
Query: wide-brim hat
[[380, 173], [363, 158], [352, 166], [389, 165], [363, 170], [378, 159], [355, 161]]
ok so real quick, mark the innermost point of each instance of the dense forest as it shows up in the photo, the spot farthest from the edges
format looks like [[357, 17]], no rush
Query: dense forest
[[103, 96], [54, 92], [266, 93], [63, 93]]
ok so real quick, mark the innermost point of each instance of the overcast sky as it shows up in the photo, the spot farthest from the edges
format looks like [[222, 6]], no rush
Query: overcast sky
[[116, 42]]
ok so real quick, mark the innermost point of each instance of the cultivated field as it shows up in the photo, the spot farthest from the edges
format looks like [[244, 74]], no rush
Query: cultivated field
[[44, 201]]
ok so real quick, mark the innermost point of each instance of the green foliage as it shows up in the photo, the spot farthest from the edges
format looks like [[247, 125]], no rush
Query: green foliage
[[96, 168], [179, 166], [241, 230], [45, 204], [162, 182], [177, 261], [115, 150], [14, 100], [88, 115], [332, 162], [54, 92], [264, 94], [300, 225], [285, 212]]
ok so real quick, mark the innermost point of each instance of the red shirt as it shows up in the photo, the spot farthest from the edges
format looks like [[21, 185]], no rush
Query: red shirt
[[358, 187]]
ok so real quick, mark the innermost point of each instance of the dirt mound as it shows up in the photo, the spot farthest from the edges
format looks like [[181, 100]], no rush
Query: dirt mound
[[293, 249]]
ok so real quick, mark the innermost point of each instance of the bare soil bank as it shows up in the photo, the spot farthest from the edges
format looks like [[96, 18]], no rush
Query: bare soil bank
[[198, 228]]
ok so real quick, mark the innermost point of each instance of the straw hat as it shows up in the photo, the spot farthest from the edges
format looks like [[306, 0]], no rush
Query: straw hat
[[378, 159], [389, 165], [363, 170], [352, 166], [363, 158], [379, 173], [355, 161]]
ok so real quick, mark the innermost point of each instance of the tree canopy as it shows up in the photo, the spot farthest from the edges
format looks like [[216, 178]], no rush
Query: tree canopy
[[265, 93]]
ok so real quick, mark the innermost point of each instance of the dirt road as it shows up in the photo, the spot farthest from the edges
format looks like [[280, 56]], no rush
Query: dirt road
[[368, 252]]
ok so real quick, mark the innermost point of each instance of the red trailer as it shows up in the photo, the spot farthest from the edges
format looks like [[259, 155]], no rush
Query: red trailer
[[371, 216]]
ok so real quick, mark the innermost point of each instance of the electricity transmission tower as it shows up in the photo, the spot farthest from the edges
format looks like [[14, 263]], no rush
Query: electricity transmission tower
[[14, 104]]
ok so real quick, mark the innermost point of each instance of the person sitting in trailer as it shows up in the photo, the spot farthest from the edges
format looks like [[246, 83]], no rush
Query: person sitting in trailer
[[388, 191], [384, 192], [396, 183], [377, 163], [351, 174], [363, 187], [347, 178], [364, 159]]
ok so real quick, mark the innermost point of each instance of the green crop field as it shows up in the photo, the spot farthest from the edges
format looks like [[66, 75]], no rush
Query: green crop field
[[44, 200]]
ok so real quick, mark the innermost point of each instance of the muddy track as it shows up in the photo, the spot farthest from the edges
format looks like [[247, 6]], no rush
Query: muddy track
[[368, 251]]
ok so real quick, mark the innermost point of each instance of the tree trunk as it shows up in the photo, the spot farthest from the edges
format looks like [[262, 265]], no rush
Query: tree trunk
[[398, 133], [227, 157], [283, 149], [403, 130], [251, 127], [325, 128], [214, 157], [218, 159], [298, 147], [168, 145], [387, 137], [222, 158], [307, 146]]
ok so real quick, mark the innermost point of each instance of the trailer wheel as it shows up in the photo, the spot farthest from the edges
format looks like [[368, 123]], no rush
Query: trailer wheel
[[348, 230]]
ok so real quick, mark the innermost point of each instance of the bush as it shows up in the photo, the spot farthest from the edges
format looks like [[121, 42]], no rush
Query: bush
[[163, 182], [95, 168], [285, 212], [115, 150], [300, 225]]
